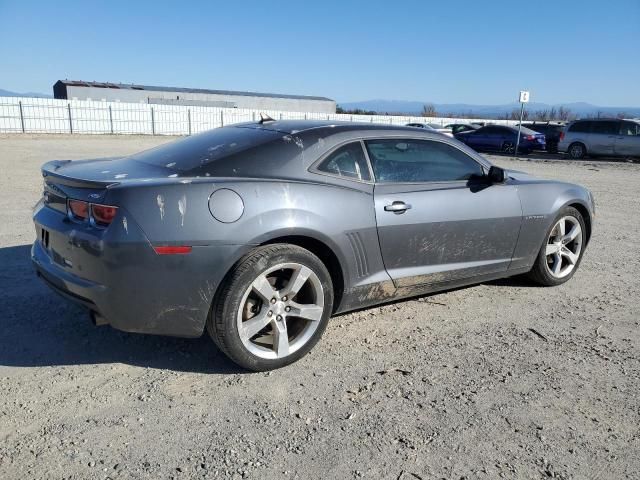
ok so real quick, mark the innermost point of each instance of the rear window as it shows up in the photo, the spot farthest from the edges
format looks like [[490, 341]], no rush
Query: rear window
[[205, 148]]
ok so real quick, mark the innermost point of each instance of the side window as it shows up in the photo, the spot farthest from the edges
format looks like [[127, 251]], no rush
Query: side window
[[629, 128], [581, 127], [605, 128], [397, 161], [347, 161]]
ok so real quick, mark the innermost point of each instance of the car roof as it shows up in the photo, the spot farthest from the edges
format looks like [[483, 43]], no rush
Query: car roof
[[298, 126]]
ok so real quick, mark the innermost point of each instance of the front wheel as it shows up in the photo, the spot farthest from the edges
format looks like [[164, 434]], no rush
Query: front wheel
[[561, 253], [273, 307]]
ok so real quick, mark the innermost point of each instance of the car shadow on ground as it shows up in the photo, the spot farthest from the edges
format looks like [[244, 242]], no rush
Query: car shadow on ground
[[41, 329], [38, 329]]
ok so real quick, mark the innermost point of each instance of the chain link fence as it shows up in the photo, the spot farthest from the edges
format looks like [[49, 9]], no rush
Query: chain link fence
[[46, 115]]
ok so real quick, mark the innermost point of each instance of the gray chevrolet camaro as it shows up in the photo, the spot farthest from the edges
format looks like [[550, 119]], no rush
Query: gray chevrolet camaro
[[260, 232]]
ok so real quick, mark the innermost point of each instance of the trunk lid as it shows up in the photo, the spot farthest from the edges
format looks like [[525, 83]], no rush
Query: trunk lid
[[89, 180]]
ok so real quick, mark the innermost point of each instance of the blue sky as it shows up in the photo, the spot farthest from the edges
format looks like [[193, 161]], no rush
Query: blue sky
[[478, 52]]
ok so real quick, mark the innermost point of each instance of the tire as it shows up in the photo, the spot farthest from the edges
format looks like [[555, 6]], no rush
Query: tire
[[577, 151], [248, 326], [568, 253], [508, 147]]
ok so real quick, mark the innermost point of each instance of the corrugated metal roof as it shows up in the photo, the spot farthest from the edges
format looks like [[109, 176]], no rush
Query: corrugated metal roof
[[131, 86]]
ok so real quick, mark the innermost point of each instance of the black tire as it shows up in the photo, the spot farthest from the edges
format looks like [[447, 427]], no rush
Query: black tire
[[577, 151], [222, 322], [508, 147], [540, 273]]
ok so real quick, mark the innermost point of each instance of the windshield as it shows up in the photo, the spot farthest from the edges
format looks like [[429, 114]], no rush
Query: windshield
[[205, 148]]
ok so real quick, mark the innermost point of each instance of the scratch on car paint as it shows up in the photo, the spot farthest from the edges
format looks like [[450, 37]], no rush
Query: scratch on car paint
[[105, 171], [121, 175], [185, 309], [299, 142], [124, 225], [173, 175], [160, 200], [185, 181], [182, 208], [376, 291], [203, 295], [169, 165], [287, 138]]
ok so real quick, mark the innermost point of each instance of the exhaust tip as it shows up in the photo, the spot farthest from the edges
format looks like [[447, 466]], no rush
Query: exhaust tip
[[98, 320]]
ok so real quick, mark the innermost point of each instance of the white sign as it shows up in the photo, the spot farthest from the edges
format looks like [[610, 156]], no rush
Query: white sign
[[524, 96]]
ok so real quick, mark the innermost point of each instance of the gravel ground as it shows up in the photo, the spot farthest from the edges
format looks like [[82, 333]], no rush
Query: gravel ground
[[454, 385]]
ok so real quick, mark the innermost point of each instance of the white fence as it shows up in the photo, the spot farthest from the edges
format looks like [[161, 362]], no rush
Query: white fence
[[47, 115]]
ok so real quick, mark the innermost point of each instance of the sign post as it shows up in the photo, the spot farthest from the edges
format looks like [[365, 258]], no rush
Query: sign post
[[524, 98]]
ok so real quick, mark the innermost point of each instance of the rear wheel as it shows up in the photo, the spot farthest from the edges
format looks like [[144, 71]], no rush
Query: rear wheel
[[560, 255], [508, 147], [577, 151], [273, 307]]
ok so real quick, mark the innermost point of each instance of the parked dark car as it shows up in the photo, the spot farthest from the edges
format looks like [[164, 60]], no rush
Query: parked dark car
[[551, 132], [259, 232], [461, 127], [501, 138]]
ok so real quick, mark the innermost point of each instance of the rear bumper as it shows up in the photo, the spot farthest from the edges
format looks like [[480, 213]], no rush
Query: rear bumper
[[121, 280]]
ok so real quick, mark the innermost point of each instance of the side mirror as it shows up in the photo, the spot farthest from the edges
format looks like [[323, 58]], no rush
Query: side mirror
[[496, 175]]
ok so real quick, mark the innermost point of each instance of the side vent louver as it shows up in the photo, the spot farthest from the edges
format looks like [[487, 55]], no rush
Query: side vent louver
[[362, 266]]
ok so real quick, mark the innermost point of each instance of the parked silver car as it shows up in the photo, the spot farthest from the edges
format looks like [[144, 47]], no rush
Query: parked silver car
[[612, 137]]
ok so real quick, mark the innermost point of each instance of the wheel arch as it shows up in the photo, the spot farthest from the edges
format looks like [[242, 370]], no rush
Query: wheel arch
[[318, 247], [326, 255], [584, 211]]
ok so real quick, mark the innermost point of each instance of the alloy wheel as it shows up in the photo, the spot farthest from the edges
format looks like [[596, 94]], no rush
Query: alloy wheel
[[508, 147], [576, 151], [280, 311], [564, 246]]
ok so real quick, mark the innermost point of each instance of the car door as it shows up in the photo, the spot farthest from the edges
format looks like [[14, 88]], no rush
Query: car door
[[437, 221], [501, 136], [480, 139], [603, 137], [628, 141]]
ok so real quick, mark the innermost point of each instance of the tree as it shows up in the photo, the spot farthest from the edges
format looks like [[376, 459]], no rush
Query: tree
[[429, 110], [564, 113]]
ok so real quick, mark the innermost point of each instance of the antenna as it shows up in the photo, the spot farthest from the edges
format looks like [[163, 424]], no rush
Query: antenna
[[265, 118]]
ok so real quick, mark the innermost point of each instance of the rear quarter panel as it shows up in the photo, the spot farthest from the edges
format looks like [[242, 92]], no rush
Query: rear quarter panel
[[341, 217]]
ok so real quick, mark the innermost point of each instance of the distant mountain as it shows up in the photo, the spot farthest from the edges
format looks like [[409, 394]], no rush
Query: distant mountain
[[7, 93], [489, 111]]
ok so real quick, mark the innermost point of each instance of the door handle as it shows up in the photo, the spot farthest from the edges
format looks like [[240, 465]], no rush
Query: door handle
[[397, 207]]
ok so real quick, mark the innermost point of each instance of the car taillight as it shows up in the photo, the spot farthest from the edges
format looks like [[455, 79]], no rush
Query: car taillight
[[103, 214], [78, 209], [530, 137], [561, 135]]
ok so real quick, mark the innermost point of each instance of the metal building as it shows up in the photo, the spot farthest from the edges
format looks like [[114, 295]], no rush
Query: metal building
[[120, 92]]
